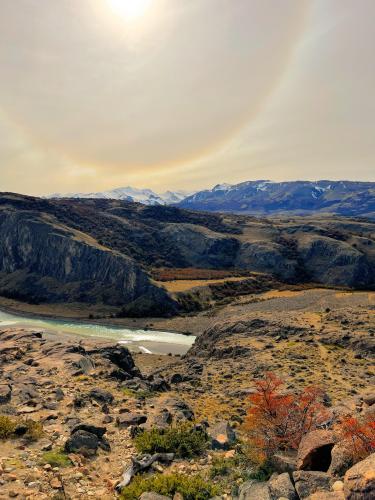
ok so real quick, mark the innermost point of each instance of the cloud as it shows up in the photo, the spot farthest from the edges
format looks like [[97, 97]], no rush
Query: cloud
[[192, 94]]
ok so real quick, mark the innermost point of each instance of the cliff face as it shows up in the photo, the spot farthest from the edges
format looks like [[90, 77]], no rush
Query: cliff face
[[45, 261]]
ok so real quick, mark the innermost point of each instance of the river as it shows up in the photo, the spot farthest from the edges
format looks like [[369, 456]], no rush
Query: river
[[146, 341]]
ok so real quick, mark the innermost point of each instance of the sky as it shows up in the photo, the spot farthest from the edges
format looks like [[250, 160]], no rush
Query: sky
[[184, 94]]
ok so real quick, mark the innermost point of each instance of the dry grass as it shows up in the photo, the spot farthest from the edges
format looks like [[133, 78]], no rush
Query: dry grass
[[184, 285]]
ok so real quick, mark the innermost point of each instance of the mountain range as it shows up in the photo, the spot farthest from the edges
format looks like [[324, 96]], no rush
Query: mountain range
[[145, 196], [261, 197], [264, 197]]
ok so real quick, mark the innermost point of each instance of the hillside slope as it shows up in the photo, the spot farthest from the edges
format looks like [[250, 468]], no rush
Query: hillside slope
[[102, 250], [45, 260]]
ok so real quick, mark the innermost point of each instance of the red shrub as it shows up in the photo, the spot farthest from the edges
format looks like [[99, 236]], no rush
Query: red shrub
[[277, 420], [359, 434]]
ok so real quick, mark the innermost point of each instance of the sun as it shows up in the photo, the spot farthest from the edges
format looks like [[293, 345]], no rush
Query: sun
[[130, 10]]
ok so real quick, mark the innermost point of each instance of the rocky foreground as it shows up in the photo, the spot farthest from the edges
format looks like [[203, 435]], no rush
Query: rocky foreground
[[77, 407]]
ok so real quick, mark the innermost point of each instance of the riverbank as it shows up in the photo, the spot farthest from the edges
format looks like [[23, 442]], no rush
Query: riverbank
[[137, 340]]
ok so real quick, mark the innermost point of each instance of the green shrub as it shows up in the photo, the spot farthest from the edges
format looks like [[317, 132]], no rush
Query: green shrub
[[56, 458], [7, 427], [263, 472], [190, 487], [183, 440], [221, 467], [138, 394], [34, 430]]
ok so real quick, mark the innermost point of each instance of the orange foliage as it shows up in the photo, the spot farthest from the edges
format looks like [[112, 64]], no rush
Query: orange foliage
[[277, 420], [192, 273], [359, 434]]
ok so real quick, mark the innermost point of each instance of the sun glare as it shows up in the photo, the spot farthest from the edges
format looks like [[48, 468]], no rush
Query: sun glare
[[130, 10]]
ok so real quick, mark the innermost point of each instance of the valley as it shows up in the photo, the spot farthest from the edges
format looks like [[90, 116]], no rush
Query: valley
[[121, 321]]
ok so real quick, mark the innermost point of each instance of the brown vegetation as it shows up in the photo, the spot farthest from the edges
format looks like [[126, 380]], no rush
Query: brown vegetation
[[192, 273]]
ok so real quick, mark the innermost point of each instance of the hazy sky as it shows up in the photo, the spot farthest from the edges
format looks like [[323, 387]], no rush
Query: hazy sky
[[184, 94]]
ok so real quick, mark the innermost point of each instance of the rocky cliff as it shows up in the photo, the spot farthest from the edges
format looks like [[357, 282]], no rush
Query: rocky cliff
[[41, 259]]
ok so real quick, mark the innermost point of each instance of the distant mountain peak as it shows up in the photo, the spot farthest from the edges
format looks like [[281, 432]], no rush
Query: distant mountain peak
[[129, 193]]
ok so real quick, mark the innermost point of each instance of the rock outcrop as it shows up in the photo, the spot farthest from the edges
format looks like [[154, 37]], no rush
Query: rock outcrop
[[44, 260], [359, 481]]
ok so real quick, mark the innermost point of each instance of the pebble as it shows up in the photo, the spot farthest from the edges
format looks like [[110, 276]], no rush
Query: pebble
[[338, 486]]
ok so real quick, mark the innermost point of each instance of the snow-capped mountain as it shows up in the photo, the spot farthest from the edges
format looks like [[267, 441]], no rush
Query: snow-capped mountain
[[260, 197], [145, 196], [294, 197]]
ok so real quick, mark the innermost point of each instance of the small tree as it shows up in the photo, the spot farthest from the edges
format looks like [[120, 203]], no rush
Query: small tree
[[359, 435], [277, 420]]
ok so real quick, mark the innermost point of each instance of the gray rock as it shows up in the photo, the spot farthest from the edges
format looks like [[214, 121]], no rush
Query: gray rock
[[82, 442], [342, 459], [309, 482], [222, 436], [253, 490], [59, 393], [5, 394], [84, 364], [284, 462], [129, 419], [280, 485], [98, 431], [359, 481], [101, 395]]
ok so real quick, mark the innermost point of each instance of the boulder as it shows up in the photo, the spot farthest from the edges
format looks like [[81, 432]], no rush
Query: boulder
[[159, 384], [253, 490], [359, 481], [5, 394], [162, 420], [82, 442], [28, 393], [118, 355], [309, 482], [83, 365], [284, 462], [180, 410], [101, 395], [168, 410], [280, 485], [128, 419], [342, 459], [98, 431], [314, 452], [327, 495], [222, 436], [86, 439], [177, 378]]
